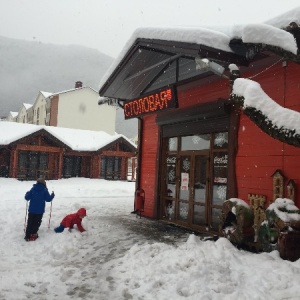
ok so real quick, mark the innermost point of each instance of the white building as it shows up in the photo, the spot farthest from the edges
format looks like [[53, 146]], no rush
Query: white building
[[76, 108], [24, 113], [12, 116], [39, 108]]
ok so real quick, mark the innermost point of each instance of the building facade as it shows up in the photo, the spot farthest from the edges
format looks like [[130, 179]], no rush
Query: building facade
[[199, 143], [11, 116], [24, 114], [29, 151], [75, 108]]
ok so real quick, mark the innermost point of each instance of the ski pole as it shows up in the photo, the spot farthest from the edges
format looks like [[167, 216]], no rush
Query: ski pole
[[50, 215], [26, 216]]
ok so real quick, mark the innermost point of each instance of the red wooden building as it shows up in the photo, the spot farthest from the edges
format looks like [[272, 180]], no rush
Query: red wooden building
[[29, 151], [198, 144]]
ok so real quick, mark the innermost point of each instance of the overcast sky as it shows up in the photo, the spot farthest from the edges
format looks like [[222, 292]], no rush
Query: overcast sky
[[106, 25]]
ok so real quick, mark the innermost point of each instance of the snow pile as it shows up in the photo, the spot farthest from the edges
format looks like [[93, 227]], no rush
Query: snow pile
[[239, 202], [285, 209], [115, 261]]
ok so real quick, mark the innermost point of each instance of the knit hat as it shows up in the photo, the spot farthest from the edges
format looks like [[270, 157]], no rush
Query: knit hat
[[41, 180]]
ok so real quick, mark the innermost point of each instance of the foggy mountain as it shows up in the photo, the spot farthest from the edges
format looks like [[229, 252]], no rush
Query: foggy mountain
[[27, 67]]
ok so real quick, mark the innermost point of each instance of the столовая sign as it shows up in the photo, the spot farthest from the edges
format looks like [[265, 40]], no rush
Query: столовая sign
[[150, 103]]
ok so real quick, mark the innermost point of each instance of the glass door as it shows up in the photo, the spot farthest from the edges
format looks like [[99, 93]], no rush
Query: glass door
[[194, 181], [193, 189], [32, 165], [111, 167], [200, 190], [185, 188]]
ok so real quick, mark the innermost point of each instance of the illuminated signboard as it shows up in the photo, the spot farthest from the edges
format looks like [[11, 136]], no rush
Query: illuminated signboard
[[150, 103]]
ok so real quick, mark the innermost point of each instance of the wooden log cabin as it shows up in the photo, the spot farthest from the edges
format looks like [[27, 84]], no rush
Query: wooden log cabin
[[199, 142], [30, 151]]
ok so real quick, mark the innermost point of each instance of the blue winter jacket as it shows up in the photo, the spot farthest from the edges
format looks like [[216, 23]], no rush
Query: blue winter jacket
[[37, 196]]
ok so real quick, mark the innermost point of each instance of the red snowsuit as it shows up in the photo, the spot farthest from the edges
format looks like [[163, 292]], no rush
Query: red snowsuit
[[72, 219]]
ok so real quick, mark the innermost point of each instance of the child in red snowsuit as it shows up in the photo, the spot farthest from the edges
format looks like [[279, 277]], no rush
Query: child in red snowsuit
[[70, 220]]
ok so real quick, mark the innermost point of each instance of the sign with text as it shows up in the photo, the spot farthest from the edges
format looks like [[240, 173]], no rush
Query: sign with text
[[185, 181], [150, 103]]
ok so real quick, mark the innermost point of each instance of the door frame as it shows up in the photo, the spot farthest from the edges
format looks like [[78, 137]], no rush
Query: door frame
[[210, 117], [173, 201], [191, 199]]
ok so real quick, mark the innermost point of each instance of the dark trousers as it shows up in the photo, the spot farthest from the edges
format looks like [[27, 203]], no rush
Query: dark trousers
[[33, 224]]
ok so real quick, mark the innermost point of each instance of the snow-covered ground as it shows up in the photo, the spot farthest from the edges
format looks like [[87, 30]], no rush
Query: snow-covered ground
[[117, 259]]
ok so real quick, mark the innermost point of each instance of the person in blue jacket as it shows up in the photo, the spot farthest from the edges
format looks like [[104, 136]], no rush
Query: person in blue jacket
[[38, 196]]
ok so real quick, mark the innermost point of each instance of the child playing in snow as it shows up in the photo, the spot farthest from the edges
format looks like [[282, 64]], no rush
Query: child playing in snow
[[37, 197], [70, 220]]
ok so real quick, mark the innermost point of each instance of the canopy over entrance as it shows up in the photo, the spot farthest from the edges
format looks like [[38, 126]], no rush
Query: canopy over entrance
[[152, 64]]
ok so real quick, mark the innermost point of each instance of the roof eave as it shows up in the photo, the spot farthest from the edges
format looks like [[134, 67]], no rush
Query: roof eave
[[173, 48]]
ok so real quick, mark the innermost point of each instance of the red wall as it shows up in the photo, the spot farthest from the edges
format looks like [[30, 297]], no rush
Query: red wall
[[148, 166], [194, 93], [188, 95], [258, 154]]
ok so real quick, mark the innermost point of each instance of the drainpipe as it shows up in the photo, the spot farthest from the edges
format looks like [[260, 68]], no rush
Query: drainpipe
[[139, 155]]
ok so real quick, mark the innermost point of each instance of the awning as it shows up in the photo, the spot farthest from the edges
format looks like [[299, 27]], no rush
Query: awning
[[153, 64]]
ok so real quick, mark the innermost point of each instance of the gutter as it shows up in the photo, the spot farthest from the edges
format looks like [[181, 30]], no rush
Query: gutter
[[139, 155]]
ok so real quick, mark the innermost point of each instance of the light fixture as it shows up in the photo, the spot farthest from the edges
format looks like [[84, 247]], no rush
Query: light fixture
[[110, 101], [205, 64], [201, 63]]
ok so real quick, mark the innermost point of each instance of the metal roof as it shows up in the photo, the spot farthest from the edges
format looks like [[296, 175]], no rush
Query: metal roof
[[152, 64]]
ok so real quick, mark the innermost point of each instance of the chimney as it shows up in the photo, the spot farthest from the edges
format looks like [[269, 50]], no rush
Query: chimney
[[78, 84]]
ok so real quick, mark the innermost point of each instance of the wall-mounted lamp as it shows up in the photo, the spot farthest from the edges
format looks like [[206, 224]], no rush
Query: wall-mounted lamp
[[205, 64], [110, 101]]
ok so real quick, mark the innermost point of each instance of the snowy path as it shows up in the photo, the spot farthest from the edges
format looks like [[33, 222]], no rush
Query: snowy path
[[61, 264], [68, 264], [124, 257]]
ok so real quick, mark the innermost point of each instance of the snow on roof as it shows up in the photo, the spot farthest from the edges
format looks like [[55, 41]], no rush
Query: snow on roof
[[286, 18], [11, 131], [219, 38], [72, 90], [27, 105], [255, 97], [203, 36], [46, 94], [76, 139], [270, 35], [13, 113]]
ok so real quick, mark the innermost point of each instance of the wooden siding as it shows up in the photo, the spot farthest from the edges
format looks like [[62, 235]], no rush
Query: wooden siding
[[189, 95], [55, 151], [148, 165], [95, 166], [197, 93], [259, 155]]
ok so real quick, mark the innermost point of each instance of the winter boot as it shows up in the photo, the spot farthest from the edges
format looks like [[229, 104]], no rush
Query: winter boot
[[33, 237]]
